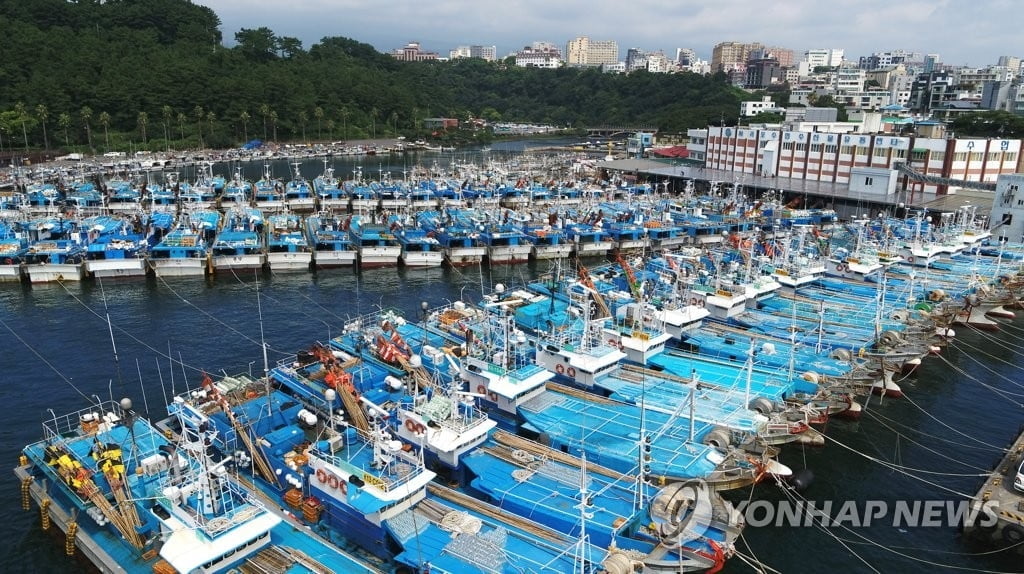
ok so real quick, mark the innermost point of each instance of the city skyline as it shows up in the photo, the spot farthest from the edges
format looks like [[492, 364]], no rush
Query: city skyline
[[952, 29]]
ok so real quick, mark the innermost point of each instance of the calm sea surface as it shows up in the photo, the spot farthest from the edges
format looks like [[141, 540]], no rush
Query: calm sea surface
[[56, 353]]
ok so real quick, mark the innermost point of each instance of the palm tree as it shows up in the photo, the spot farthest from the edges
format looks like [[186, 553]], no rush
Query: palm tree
[[105, 122], [330, 128], [374, 112], [344, 118], [265, 111], [64, 122], [200, 114], [273, 122], [86, 114], [394, 122], [303, 118], [43, 114], [415, 113], [244, 116], [210, 118], [181, 126], [318, 113], [167, 113], [19, 108], [143, 121]]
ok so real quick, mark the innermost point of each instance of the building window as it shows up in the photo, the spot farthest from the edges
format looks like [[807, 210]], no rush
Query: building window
[[846, 150], [787, 146], [1010, 156], [801, 147], [918, 154], [881, 152], [900, 153], [831, 148], [993, 156], [815, 148], [976, 156], [960, 156], [869, 181]]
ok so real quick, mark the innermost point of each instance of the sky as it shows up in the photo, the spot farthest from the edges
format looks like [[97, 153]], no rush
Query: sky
[[962, 32]]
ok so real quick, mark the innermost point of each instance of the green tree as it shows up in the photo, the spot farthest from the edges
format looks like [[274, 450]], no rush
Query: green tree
[[303, 118], [244, 118], [273, 122], [344, 120], [374, 112], [318, 113], [210, 118], [394, 123], [64, 122], [86, 114], [143, 121], [104, 120], [19, 108], [181, 126], [43, 114], [330, 128], [200, 114], [259, 44], [265, 112], [167, 113]]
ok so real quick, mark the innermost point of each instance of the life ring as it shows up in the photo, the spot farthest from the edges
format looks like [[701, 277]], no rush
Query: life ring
[[321, 475], [910, 259], [560, 369], [700, 302], [571, 372], [480, 389], [493, 396], [410, 425], [840, 268], [333, 482], [693, 301], [343, 486], [8, 261]]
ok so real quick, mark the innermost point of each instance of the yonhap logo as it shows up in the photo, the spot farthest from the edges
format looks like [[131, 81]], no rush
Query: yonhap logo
[[864, 513]]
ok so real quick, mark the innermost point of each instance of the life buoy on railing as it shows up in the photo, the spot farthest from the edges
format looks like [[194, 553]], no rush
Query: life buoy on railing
[[571, 372], [700, 302], [493, 396], [910, 259], [343, 486], [840, 268], [560, 369], [321, 475], [693, 301], [410, 425], [482, 390], [333, 482]]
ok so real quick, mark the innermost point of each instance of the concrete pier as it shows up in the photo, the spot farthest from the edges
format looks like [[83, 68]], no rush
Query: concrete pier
[[998, 505]]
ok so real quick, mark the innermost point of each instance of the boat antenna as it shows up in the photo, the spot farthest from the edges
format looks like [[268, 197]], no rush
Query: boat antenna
[[263, 344]]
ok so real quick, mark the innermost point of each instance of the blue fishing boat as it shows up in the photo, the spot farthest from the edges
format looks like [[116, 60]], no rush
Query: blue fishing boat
[[269, 192], [238, 191], [328, 190], [460, 242], [117, 247], [183, 251], [241, 243], [56, 250], [506, 243], [298, 196], [374, 242], [589, 240], [123, 197], [287, 245], [549, 242], [419, 247], [13, 247], [328, 236], [132, 498]]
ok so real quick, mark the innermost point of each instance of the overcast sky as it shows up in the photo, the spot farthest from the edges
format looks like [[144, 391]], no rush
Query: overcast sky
[[962, 32]]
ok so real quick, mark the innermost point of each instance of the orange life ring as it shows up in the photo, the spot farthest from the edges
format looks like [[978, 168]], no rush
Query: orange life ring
[[321, 475], [343, 486], [839, 267], [480, 389], [8, 261], [571, 372], [560, 369], [693, 300], [493, 396], [333, 482], [910, 259], [413, 426], [700, 302], [613, 342]]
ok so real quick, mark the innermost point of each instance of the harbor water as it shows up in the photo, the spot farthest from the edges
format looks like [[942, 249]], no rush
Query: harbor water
[[64, 346]]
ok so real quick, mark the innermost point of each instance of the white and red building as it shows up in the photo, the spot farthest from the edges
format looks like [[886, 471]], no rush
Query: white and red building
[[864, 161]]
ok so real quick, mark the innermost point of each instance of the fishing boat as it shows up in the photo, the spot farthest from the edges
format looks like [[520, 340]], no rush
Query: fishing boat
[[117, 247], [328, 190], [548, 242], [298, 196], [133, 499], [506, 243], [460, 242], [589, 240], [241, 243], [328, 236], [238, 191], [374, 242], [183, 251], [13, 247], [287, 245], [55, 252], [419, 248], [269, 192]]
